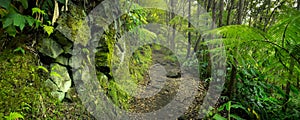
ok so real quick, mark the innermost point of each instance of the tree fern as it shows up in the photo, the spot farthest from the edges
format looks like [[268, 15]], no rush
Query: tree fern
[[270, 50]]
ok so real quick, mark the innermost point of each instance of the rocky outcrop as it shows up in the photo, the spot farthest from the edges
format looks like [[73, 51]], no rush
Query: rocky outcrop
[[67, 64]]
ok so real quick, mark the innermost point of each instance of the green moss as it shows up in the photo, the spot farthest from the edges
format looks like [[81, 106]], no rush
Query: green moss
[[74, 26], [170, 58], [23, 90], [20, 83], [140, 63]]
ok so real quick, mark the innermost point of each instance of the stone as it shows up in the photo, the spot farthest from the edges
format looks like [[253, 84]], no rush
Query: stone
[[68, 49], [58, 95], [50, 84], [60, 76], [50, 48], [75, 26], [174, 73], [62, 60], [75, 62], [61, 39], [71, 95]]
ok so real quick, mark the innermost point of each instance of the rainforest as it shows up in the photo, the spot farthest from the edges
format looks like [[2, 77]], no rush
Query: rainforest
[[158, 59]]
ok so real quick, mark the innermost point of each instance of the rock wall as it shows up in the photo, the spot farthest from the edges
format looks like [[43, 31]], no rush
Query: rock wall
[[57, 53]]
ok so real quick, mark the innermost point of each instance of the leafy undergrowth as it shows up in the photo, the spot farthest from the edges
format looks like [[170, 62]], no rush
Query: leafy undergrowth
[[22, 91]]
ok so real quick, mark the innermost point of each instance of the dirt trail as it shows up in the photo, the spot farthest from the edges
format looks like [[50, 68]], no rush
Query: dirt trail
[[163, 82]]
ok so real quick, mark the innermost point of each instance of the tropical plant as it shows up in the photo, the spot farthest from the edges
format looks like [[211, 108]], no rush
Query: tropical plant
[[14, 116], [12, 18], [264, 59]]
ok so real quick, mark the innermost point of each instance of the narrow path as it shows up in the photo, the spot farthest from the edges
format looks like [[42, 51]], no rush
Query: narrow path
[[163, 82]]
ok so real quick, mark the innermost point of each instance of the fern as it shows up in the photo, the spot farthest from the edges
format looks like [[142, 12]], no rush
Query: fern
[[48, 29], [271, 51], [14, 116]]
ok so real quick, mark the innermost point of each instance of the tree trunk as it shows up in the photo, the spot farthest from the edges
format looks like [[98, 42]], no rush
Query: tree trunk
[[240, 12], [229, 11], [208, 5], [189, 33], [197, 33], [205, 3], [173, 31], [221, 8], [233, 80], [213, 14], [298, 4], [288, 85], [232, 83]]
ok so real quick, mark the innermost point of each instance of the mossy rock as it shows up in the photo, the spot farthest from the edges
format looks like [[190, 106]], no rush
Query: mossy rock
[[23, 90]]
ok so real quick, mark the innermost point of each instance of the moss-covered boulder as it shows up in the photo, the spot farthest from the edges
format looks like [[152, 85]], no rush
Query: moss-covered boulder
[[24, 90]]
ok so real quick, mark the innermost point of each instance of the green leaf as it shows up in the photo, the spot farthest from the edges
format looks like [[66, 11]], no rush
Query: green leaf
[[20, 49], [48, 29], [11, 30], [221, 107], [38, 10], [24, 3], [14, 116], [228, 106], [218, 117], [3, 12], [55, 74], [7, 22], [19, 20], [5, 3], [37, 23], [43, 68], [238, 106], [295, 90], [30, 20]]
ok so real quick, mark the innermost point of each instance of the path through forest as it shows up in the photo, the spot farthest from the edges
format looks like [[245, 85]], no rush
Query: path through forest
[[163, 83]]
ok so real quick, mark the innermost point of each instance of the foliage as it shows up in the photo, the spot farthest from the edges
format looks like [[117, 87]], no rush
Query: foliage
[[14, 18], [134, 18], [23, 91], [11, 17], [20, 49], [264, 62], [48, 29], [262, 54], [14, 116], [227, 107], [140, 62]]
